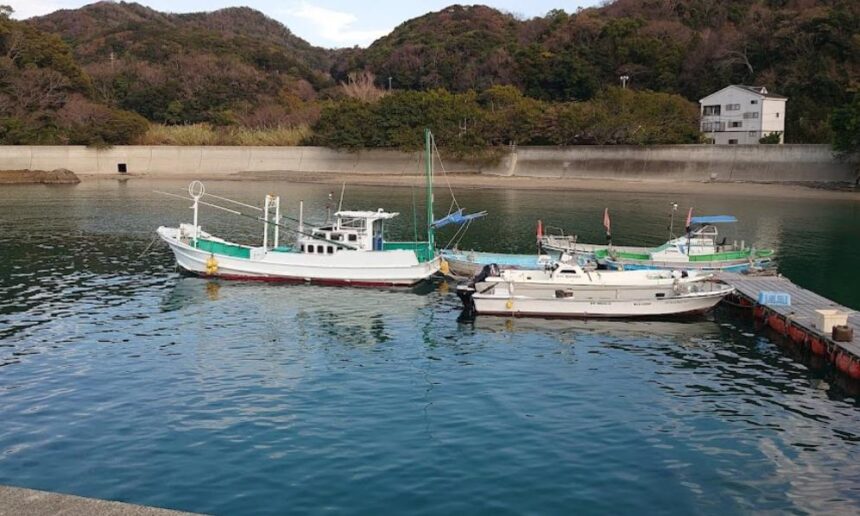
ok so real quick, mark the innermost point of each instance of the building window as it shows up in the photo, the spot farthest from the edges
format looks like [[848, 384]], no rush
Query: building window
[[777, 115], [733, 107], [753, 133], [310, 249], [750, 114], [329, 249], [320, 249], [735, 124], [353, 238], [712, 127], [733, 142], [754, 101], [711, 110]]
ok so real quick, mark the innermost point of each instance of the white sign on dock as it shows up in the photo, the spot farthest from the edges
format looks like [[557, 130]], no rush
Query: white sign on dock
[[769, 298]]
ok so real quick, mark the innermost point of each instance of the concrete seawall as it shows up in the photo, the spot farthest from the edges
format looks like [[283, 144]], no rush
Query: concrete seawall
[[723, 163]]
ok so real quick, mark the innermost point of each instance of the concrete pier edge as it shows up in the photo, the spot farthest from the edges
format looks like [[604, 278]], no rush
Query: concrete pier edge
[[693, 163], [19, 501]]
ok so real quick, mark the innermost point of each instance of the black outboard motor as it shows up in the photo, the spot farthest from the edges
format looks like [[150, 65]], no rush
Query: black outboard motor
[[488, 270], [465, 291]]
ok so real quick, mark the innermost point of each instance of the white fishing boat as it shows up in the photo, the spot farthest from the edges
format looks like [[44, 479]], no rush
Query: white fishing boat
[[568, 292], [351, 250]]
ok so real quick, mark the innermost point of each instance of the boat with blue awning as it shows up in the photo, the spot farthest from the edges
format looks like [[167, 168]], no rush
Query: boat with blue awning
[[700, 248]]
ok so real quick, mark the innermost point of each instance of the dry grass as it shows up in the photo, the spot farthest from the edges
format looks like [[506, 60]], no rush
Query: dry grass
[[205, 134]]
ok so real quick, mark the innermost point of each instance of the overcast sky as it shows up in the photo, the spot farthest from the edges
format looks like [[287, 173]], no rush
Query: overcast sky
[[326, 23]]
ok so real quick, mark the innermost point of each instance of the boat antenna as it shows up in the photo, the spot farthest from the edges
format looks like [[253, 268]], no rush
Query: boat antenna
[[342, 189], [674, 207]]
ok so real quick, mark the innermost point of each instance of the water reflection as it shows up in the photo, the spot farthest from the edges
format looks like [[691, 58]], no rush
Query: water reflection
[[202, 395], [348, 315]]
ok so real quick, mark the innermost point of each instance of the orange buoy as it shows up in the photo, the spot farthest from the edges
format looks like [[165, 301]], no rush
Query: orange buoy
[[843, 363], [854, 369], [775, 322], [817, 346], [796, 334]]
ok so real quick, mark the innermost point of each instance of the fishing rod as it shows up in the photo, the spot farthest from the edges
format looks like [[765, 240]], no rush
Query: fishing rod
[[261, 219]]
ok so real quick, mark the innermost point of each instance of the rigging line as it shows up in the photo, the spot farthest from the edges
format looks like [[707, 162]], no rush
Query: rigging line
[[445, 174], [147, 247], [414, 209], [465, 230], [460, 230], [261, 219], [234, 202]]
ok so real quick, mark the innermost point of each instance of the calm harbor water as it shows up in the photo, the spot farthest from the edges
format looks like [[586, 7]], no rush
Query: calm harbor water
[[122, 379]]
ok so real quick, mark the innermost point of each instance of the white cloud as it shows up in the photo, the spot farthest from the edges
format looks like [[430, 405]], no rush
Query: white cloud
[[334, 26], [30, 8]]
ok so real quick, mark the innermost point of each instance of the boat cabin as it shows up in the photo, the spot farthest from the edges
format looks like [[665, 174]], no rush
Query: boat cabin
[[351, 230], [703, 239]]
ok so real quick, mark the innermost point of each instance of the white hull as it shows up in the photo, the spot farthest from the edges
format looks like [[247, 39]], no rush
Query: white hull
[[573, 307], [370, 268]]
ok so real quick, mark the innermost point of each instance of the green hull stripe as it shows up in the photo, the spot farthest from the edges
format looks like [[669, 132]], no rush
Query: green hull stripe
[[236, 251]]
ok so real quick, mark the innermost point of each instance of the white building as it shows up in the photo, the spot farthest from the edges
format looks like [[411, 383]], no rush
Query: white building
[[742, 115]]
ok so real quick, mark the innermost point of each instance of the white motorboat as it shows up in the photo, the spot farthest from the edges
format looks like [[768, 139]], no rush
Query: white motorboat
[[569, 291]]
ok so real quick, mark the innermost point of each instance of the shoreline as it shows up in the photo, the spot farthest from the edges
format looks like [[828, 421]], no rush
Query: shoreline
[[491, 182]]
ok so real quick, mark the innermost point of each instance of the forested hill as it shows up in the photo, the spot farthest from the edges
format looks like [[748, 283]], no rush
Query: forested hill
[[227, 66], [807, 50], [238, 68]]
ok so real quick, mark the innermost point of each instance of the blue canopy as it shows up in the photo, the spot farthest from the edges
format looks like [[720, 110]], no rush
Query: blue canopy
[[457, 218], [713, 219]]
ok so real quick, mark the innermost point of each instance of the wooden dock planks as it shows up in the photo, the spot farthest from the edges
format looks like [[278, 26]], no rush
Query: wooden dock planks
[[803, 305]]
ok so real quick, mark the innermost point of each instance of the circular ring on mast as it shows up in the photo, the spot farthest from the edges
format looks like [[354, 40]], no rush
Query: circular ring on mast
[[196, 190]]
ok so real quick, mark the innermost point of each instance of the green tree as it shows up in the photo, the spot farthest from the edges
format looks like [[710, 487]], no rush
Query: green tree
[[845, 123], [771, 139]]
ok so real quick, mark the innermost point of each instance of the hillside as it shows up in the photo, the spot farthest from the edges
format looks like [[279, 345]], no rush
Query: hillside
[[236, 67], [45, 96], [233, 65]]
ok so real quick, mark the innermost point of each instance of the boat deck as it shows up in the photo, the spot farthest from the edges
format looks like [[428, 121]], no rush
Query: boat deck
[[799, 319]]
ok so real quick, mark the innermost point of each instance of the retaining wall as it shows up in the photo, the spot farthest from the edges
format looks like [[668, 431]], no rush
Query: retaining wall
[[754, 163]]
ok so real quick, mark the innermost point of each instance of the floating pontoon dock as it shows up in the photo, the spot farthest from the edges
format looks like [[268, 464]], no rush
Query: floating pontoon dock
[[797, 320]]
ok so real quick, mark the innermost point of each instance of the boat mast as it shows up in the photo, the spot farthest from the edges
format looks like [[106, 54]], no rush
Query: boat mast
[[267, 202], [196, 191], [301, 216], [674, 207], [428, 166], [277, 218]]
